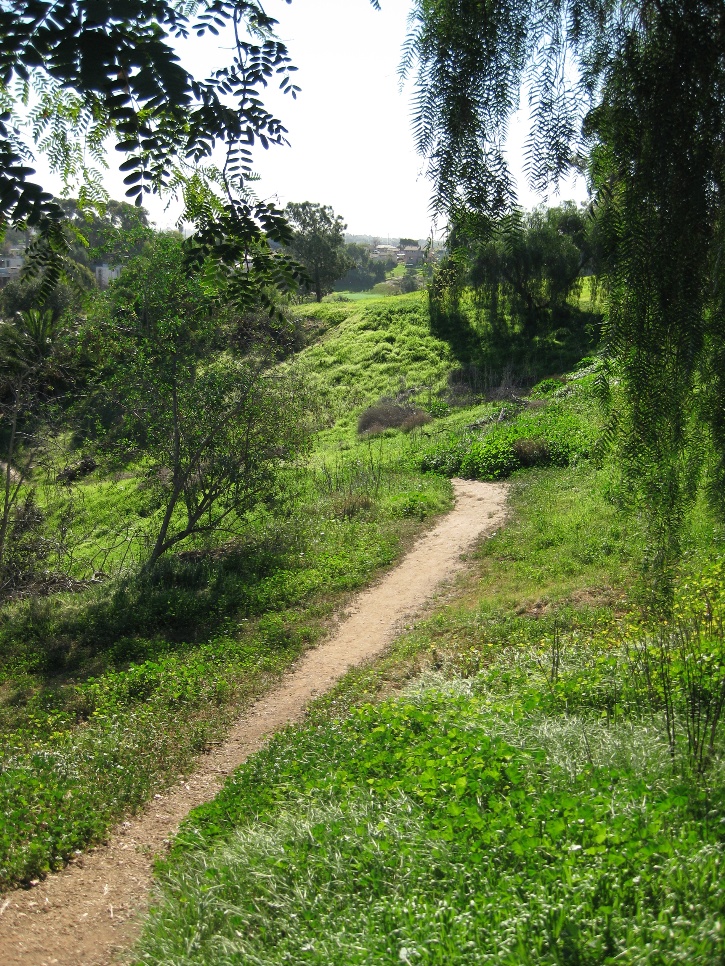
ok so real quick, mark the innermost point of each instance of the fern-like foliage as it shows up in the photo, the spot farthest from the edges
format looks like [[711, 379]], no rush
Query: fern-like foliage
[[635, 91], [77, 73]]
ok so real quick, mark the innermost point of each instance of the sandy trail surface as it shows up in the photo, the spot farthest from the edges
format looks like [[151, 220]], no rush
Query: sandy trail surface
[[89, 913]]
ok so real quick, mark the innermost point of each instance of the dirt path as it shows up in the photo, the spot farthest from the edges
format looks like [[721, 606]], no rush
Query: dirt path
[[87, 913]]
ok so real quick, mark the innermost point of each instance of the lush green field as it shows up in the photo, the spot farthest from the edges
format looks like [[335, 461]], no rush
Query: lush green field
[[373, 348], [531, 775], [538, 779], [519, 802]]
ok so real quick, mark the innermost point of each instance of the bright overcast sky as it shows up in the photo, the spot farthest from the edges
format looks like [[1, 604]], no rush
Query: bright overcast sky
[[349, 128]]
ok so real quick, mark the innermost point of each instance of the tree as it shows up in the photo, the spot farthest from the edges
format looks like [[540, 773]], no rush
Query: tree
[[34, 360], [318, 242], [90, 71], [530, 265], [22, 294], [632, 93], [115, 232], [364, 273], [212, 429]]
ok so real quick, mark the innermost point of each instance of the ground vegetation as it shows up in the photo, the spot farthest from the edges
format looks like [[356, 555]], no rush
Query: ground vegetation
[[533, 772]]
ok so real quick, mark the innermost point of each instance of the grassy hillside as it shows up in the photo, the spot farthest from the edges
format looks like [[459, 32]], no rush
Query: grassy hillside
[[107, 694], [373, 348], [532, 775]]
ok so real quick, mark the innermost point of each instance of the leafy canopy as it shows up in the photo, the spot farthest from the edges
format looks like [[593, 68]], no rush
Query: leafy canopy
[[213, 428], [528, 268], [631, 92], [318, 242], [84, 71]]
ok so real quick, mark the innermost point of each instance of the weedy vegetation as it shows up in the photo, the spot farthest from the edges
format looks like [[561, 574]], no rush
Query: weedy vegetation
[[107, 694], [532, 775]]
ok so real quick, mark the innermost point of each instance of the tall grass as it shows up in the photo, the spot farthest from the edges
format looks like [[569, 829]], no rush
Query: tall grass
[[458, 823], [520, 802]]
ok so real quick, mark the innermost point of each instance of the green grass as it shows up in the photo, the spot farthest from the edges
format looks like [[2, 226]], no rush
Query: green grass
[[375, 348], [511, 796], [105, 696], [351, 296], [108, 694], [86, 678], [486, 820], [517, 803]]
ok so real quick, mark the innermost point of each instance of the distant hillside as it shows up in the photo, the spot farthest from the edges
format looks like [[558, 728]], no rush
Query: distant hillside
[[374, 348]]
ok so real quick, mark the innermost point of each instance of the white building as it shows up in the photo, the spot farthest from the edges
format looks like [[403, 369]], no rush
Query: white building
[[105, 274], [10, 266]]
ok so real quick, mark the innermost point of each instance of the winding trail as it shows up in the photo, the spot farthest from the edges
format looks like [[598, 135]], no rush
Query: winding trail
[[90, 912]]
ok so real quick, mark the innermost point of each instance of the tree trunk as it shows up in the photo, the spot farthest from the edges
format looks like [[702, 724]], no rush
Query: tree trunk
[[8, 494], [176, 489]]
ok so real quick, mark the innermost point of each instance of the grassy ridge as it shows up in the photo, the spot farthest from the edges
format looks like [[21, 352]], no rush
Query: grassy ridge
[[374, 348]]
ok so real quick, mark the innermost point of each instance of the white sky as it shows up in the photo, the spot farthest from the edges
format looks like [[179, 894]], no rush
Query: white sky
[[349, 129]]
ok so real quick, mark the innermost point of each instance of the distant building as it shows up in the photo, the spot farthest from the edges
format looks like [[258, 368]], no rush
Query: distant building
[[384, 253], [105, 274], [10, 266], [411, 256]]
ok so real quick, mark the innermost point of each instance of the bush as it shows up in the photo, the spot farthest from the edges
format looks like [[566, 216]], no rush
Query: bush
[[547, 386], [416, 506], [550, 436], [438, 408], [445, 457], [386, 414], [532, 452], [493, 458], [414, 420]]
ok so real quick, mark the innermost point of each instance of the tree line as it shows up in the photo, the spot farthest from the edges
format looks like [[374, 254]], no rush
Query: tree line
[[630, 96]]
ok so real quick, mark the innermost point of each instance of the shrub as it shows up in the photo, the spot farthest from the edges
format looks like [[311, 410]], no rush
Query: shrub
[[547, 386], [386, 414], [438, 408], [535, 438], [532, 452], [445, 457], [414, 420], [492, 458]]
